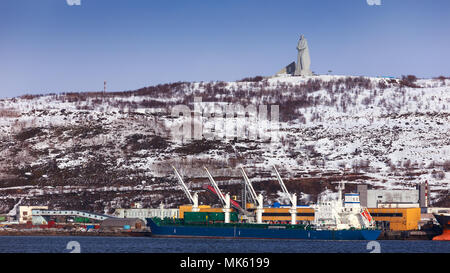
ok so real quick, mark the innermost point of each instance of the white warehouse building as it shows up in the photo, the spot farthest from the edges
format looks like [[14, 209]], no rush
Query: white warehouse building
[[146, 213]]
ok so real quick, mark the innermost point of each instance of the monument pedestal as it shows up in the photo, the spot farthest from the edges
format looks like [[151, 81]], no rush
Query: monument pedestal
[[304, 73]]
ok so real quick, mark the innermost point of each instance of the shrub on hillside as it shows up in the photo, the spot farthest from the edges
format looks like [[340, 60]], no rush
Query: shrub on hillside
[[252, 79], [409, 81], [446, 166], [199, 146], [29, 133]]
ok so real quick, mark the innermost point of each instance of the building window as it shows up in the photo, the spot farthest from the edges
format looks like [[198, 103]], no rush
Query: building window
[[387, 214]]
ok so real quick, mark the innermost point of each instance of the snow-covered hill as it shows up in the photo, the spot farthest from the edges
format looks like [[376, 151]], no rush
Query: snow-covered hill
[[97, 151]]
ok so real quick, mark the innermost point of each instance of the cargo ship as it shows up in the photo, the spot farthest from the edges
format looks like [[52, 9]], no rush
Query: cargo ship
[[333, 219], [178, 228], [444, 221]]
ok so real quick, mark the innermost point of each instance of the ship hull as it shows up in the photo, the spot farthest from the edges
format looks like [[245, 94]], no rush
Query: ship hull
[[237, 232], [444, 221]]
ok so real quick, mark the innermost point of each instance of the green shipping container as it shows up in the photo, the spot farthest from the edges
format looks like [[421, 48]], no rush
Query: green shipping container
[[81, 220], [234, 217], [216, 216], [195, 217], [203, 217]]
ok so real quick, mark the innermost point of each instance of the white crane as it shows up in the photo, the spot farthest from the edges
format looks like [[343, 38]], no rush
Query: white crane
[[193, 199], [257, 198], [292, 198], [224, 198]]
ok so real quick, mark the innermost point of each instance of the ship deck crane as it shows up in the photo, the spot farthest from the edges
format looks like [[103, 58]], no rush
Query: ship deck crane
[[192, 198], [224, 198], [258, 199], [292, 198]]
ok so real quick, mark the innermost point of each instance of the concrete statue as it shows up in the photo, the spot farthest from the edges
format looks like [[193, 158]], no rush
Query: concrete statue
[[303, 65], [303, 58]]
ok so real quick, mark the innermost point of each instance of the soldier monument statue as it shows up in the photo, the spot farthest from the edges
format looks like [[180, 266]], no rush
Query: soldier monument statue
[[303, 58], [303, 65]]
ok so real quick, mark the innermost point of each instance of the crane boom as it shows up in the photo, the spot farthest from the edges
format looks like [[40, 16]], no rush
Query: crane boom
[[249, 185], [183, 185], [292, 198], [226, 201], [283, 187], [258, 199], [218, 191]]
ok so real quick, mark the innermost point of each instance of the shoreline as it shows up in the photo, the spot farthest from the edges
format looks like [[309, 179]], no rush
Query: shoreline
[[74, 233]]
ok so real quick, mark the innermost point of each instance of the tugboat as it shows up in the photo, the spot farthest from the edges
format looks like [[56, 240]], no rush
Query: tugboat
[[334, 220], [444, 221]]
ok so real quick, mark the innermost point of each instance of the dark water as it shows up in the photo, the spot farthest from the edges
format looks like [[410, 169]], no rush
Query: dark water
[[43, 244]]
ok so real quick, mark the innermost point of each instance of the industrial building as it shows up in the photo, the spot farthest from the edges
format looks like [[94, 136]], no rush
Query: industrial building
[[143, 213], [398, 219], [24, 214], [376, 198], [398, 209]]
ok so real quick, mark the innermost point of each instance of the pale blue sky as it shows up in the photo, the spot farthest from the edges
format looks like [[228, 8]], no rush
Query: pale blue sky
[[49, 46]]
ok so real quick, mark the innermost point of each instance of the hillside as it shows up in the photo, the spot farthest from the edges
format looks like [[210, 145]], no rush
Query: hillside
[[97, 152]]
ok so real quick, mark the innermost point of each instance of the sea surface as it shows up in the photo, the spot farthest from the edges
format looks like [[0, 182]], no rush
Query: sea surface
[[84, 244]]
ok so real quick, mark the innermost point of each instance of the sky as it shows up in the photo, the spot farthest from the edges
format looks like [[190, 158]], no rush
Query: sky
[[48, 46]]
